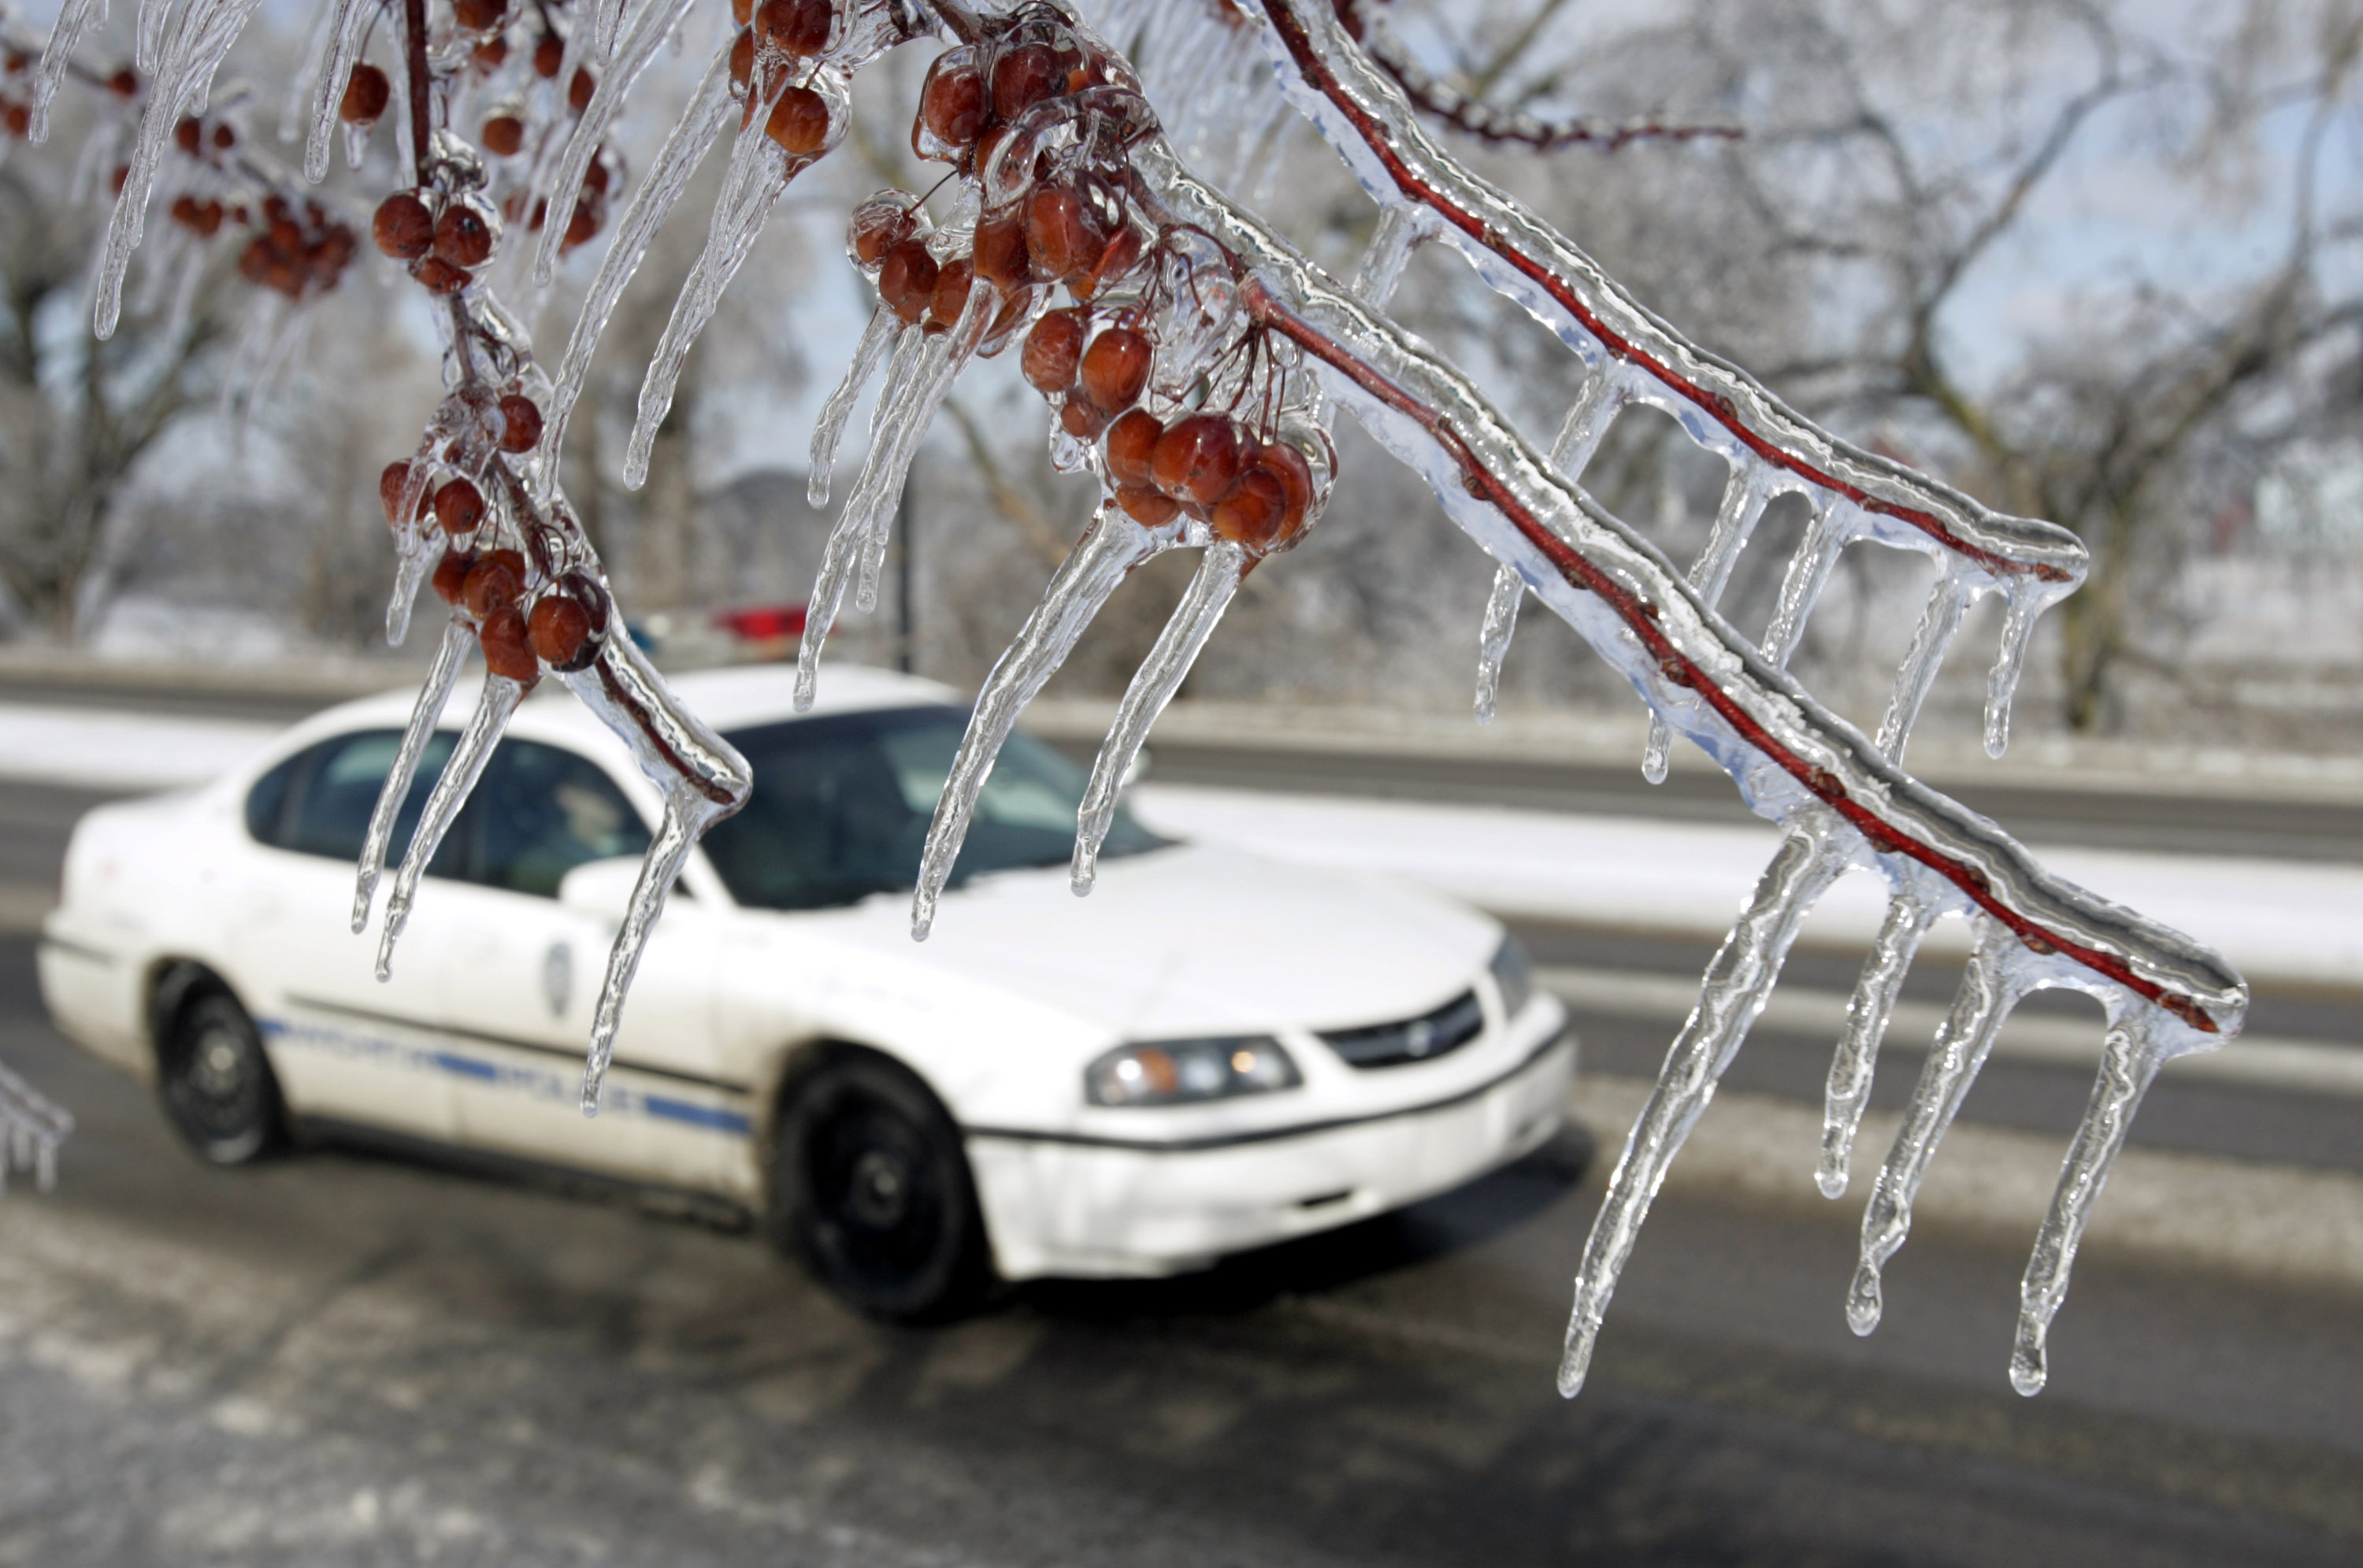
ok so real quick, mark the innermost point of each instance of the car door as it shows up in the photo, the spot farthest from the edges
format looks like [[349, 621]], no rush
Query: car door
[[345, 1046], [524, 975]]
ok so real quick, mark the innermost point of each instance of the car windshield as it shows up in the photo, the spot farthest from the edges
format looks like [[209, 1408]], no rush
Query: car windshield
[[842, 806]]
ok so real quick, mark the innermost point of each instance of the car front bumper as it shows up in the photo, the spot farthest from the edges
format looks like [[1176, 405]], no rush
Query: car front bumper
[[1063, 1205]]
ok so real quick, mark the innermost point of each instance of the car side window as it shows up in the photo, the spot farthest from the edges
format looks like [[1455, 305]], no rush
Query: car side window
[[541, 810], [318, 802]]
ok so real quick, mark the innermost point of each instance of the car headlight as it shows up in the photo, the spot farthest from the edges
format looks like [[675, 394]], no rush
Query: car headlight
[[1177, 1072], [1514, 975]]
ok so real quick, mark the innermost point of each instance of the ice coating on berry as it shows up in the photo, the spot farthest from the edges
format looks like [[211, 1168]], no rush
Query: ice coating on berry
[[1053, 352]]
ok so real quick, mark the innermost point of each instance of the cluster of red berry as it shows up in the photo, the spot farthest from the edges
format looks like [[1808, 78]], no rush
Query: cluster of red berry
[[1063, 210], [529, 607], [298, 251], [776, 39]]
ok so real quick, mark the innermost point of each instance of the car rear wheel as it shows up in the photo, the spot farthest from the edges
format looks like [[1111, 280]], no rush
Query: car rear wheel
[[871, 1189], [218, 1089]]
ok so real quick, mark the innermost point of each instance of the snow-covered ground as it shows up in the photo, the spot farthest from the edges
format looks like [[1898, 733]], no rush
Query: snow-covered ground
[[2277, 919]]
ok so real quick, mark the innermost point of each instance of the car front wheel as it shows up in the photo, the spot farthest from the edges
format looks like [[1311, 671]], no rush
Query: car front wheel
[[870, 1187], [217, 1085]]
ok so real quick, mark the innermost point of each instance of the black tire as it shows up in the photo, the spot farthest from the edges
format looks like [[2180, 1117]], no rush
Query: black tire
[[218, 1091], [871, 1189]]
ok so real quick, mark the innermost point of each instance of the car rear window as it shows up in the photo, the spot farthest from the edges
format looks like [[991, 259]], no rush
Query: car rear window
[[318, 802], [842, 806], [539, 811]]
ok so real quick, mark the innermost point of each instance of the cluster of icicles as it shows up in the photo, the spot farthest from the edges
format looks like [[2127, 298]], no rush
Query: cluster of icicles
[[1192, 361]]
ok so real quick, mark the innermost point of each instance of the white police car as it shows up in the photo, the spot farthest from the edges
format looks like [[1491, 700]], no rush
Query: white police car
[[1211, 1052]]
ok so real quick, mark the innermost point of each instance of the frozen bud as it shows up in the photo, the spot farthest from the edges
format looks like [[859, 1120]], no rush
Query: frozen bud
[[464, 233], [548, 54], [16, 119], [495, 581], [1079, 419], [1197, 459], [460, 507], [503, 136], [1252, 514], [954, 106], [493, 53], [742, 57], [1024, 77], [188, 135], [1149, 508], [796, 26], [1054, 351], [579, 89], [404, 228], [437, 276], [390, 483], [879, 225], [742, 11], [1061, 234], [799, 122], [225, 136], [123, 83], [508, 648], [521, 423], [954, 278], [1000, 258], [450, 579], [560, 631], [480, 15], [590, 213], [1014, 308], [367, 93], [907, 281], [1287, 463], [1116, 369], [1121, 257], [1132, 446]]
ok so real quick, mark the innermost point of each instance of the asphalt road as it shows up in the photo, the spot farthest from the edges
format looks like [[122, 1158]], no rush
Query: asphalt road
[[345, 1357]]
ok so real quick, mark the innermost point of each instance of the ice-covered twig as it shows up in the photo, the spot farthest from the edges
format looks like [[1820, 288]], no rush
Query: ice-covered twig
[[878, 340], [657, 22]]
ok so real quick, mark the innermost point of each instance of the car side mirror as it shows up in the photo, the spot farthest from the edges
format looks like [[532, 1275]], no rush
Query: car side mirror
[[601, 887]]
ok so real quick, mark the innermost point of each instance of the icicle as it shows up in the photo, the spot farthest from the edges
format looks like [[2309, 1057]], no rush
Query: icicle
[[34, 1125], [1743, 499], [1493, 636], [1400, 229], [348, 29], [704, 780], [1221, 571], [881, 336], [2018, 630], [77, 20], [658, 22], [1801, 584], [1811, 856], [206, 30], [148, 35], [296, 103], [1909, 914], [840, 559], [1113, 547], [1938, 623], [708, 112], [458, 638], [2130, 1058], [758, 173], [461, 771], [1991, 987], [1587, 422], [913, 412]]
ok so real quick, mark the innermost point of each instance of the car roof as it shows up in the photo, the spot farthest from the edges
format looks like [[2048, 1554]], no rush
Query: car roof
[[730, 698]]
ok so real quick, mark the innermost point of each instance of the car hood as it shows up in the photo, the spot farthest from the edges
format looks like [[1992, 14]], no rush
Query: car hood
[[1191, 940]]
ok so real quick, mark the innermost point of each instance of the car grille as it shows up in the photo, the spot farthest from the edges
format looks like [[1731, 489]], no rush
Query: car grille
[[1420, 1039]]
